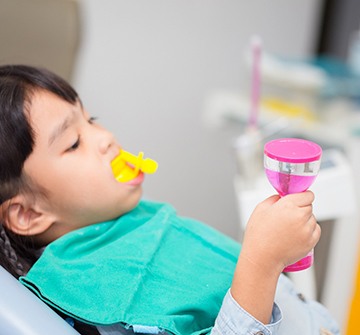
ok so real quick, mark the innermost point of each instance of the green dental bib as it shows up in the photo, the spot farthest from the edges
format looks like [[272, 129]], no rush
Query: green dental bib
[[149, 267]]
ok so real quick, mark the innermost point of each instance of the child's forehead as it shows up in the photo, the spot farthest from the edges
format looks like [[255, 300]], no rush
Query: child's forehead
[[48, 105], [43, 98], [49, 115]]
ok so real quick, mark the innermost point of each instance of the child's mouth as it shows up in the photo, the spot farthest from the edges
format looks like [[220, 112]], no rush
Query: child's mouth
[[127, 167], [137, 180]]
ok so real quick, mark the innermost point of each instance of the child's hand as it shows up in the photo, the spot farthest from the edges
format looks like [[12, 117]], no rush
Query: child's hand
[[281, 231]]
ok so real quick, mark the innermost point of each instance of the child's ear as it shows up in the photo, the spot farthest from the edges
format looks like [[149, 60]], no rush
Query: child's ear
[[24, 218]]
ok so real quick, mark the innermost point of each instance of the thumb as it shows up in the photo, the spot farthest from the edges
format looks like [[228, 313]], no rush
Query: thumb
[[270, 200]]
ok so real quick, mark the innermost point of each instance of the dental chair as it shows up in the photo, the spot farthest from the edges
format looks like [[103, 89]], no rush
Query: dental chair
[[22, 313]]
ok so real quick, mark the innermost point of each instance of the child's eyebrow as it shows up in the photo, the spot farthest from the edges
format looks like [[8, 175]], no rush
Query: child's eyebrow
[[60, 129]]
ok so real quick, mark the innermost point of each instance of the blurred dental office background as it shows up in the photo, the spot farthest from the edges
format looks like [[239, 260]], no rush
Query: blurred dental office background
[[172, 79], [147, 68]]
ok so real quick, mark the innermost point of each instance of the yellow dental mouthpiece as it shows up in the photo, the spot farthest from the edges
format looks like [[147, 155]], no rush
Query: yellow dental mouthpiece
[[127, 166]]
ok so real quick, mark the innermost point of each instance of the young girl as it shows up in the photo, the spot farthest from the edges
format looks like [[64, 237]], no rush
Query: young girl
[[89, 247]]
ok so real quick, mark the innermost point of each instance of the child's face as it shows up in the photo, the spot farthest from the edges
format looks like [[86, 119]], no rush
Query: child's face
[[71, 161]]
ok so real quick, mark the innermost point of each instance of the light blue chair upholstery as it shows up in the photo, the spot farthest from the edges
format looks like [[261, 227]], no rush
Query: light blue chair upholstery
[[22, 313]]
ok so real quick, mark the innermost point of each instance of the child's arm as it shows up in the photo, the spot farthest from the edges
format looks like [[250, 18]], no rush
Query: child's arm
[[279, 232]]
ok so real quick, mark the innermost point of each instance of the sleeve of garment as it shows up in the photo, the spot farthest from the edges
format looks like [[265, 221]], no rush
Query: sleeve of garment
[[233, 319]]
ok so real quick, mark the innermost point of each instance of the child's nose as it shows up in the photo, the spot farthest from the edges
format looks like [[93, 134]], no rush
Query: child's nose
[[106, 141]]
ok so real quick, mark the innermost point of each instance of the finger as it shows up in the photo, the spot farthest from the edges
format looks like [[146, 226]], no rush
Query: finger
[[308, 211], [269, 201], [302, 199], [272, 199], [316, 229], [317, 233]]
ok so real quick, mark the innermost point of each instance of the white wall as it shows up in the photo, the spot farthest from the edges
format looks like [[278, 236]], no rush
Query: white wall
[[146, 67]]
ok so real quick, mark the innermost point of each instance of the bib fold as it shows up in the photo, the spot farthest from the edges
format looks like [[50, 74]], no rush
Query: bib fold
[[149, 267]]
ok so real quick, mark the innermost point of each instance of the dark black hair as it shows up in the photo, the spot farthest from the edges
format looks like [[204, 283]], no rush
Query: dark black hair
[[17, 138]]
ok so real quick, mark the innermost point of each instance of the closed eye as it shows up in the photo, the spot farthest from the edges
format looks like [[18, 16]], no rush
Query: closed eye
[[92, 119], [75, 145]]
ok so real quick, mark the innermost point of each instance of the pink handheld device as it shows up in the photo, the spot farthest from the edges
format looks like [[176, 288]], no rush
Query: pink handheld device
[[291, 166]]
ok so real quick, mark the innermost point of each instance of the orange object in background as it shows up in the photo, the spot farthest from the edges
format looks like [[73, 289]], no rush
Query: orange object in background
[[354, 317]]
